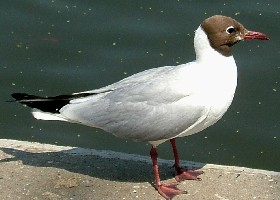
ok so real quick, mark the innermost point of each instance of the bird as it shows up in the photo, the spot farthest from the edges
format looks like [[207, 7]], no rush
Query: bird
[[163, 103]]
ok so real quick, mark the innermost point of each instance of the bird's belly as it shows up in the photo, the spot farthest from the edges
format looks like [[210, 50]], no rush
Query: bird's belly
[[218, 103], [217, 110]]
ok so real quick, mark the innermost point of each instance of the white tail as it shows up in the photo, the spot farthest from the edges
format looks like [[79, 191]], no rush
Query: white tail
[[38, 114]]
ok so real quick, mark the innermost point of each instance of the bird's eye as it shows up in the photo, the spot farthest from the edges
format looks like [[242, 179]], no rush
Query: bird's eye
[[230, 30]]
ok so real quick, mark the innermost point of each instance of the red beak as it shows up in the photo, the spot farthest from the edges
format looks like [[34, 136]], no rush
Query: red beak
[[251, 35]]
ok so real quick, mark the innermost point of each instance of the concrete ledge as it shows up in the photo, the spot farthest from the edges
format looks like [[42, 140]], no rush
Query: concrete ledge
[[41, 171]]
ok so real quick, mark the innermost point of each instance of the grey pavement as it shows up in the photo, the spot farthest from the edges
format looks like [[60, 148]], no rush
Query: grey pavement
[[40, 171]]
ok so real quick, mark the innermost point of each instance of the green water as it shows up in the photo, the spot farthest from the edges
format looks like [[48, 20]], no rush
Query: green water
[[59, 47]]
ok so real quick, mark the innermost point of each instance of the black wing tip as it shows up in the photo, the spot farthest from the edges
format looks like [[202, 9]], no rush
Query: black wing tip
[[18, 96], [47, 104], [23, 96]]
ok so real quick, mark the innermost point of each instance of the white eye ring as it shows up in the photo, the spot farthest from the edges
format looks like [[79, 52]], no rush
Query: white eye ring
[[230, 30]]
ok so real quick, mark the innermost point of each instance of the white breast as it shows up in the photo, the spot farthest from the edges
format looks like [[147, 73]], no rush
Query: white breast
[[218, 81]]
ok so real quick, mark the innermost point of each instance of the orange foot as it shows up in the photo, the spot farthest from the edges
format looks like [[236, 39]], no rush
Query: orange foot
[[185, 174], [168, 191]]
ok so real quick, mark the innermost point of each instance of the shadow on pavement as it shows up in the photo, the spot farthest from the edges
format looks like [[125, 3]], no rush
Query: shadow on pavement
[[115, 169]]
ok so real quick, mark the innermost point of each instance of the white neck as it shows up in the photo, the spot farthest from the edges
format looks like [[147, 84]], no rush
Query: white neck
[[203, 49]]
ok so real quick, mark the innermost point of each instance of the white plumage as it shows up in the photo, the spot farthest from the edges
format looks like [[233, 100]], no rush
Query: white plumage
[[161, 103]]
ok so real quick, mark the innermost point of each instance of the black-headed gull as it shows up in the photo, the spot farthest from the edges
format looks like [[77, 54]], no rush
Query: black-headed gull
[[162, 103]]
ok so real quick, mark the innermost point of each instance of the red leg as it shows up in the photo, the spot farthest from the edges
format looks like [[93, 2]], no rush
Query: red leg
[[183, 174], [168, 191]]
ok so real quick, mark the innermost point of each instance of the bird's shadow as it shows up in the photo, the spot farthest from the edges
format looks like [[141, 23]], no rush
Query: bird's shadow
[[115, 169]]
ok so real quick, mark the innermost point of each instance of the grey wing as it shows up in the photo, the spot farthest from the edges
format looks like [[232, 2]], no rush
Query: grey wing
[[143, 107]]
